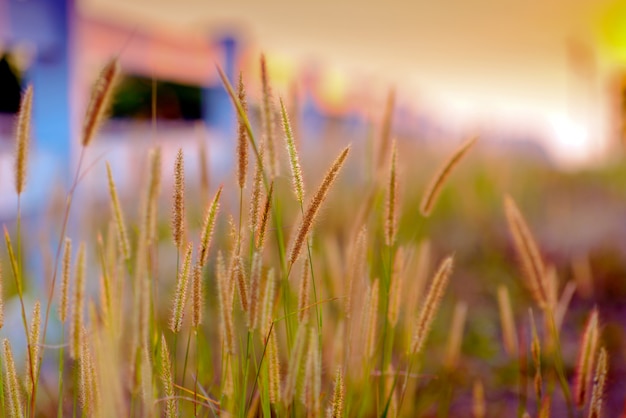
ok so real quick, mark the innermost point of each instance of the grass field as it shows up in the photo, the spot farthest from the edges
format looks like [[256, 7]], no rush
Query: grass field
[[380, 280]]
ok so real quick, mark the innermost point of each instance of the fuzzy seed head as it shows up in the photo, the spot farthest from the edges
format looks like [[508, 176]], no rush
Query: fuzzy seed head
[[77, 322], [33, 347], [336, 409], [13, 398], [208, 227], [528, 252], [197, 296], [262, 232], [255, 291], [439, 180], [99, 102], [392, 199], [171, 405], [294, 161], [509, 333], [267, 120], [274, 369], [23, 139], [122, 236], [178, 207], [586, 358], [314, 206], [65, 280], [431, 305], [455, 338], [242, 138], [599, 380], [180, 298], [372, 319]]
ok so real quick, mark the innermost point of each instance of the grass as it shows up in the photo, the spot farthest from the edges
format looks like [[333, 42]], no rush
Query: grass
[[391, 289]]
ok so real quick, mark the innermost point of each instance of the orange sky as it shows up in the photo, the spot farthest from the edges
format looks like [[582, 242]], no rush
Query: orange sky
[[505, 60]]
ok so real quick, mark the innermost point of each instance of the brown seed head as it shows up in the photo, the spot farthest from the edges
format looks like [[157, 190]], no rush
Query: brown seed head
[[314, 205], [262, 231], [65, 280], [242, 138], [180, 298], [599, 380], [23, 139], [13, 398], [267, 120], [99, 102], [586, 358], [431, 305], [439, 180], [178, 208], [122, 236], [528, 252], [392, 199], [294, 162], [208, 227]]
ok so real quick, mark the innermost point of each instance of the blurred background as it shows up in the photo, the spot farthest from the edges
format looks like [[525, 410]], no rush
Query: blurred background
[[543, 83], [540, 78]]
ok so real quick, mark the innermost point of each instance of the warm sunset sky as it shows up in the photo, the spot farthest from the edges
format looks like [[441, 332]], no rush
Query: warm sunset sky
[[547, 62]]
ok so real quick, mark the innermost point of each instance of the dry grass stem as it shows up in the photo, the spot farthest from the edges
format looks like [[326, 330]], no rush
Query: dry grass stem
[[439, 180], [295, 362], [256, 271], [535, 351], [303, 294]]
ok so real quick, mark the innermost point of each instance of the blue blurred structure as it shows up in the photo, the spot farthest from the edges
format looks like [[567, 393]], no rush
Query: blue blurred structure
[[217, 110], [47, 25]]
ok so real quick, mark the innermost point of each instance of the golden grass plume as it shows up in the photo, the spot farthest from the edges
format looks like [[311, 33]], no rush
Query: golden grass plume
[[439, 180], [23, 139], [314, 206], [100, 100]]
